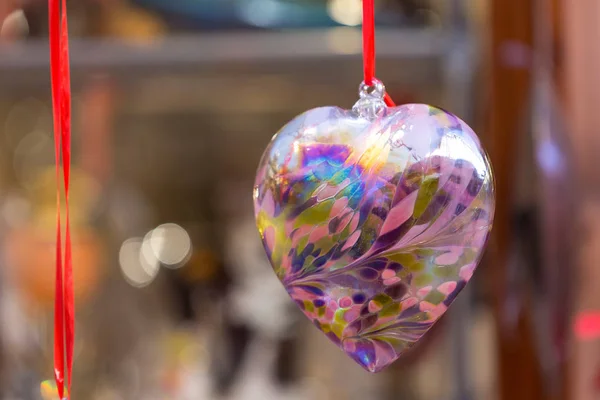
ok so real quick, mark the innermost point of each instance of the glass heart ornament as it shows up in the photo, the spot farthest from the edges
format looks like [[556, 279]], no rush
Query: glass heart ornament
[[374, 219]]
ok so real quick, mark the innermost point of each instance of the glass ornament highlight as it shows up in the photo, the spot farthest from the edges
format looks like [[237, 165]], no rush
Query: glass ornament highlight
[[374, 219]]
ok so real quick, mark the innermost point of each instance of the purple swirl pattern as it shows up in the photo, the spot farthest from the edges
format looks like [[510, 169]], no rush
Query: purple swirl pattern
[[374, 227]]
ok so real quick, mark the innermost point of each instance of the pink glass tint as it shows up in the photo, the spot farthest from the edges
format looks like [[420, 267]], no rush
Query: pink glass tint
[[374, 225]]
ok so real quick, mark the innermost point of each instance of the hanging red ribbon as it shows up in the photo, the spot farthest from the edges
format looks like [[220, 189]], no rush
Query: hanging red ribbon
[[369, 46], [64, 318]]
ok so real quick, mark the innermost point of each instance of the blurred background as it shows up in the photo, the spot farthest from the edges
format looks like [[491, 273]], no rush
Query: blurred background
[[174, 101]]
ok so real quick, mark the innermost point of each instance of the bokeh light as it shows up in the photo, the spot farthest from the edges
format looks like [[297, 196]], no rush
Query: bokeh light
[[135, 266], [170, 244], [345, 12]]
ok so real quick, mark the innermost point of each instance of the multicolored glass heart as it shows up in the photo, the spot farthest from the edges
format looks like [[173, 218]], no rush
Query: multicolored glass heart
[[374, 220]]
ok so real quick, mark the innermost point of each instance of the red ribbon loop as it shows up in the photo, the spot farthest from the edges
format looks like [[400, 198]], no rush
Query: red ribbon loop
[[368, 30], [64, 318]]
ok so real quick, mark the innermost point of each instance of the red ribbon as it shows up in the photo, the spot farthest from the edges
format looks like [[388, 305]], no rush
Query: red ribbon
[[64, 319], [368, 30]]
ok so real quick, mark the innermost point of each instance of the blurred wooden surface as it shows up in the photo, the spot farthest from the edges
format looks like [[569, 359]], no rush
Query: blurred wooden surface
[[511, 40], [582, 63], [581, 83]]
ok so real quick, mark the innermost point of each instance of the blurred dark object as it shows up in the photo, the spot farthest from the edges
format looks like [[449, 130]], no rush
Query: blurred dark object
[[281, 14], [546, 234], [543, 266], [557, 229], [259, 314], [511, 27], [208, 15]]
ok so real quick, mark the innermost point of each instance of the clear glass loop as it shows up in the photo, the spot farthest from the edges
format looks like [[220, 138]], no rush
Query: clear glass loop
[[371, 102], [375, 89]]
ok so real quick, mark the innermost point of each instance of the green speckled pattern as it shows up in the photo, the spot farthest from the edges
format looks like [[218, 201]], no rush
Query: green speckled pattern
[[374, 227]]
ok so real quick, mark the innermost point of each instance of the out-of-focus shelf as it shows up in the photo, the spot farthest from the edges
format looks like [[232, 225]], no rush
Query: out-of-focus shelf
[[241, 47]]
